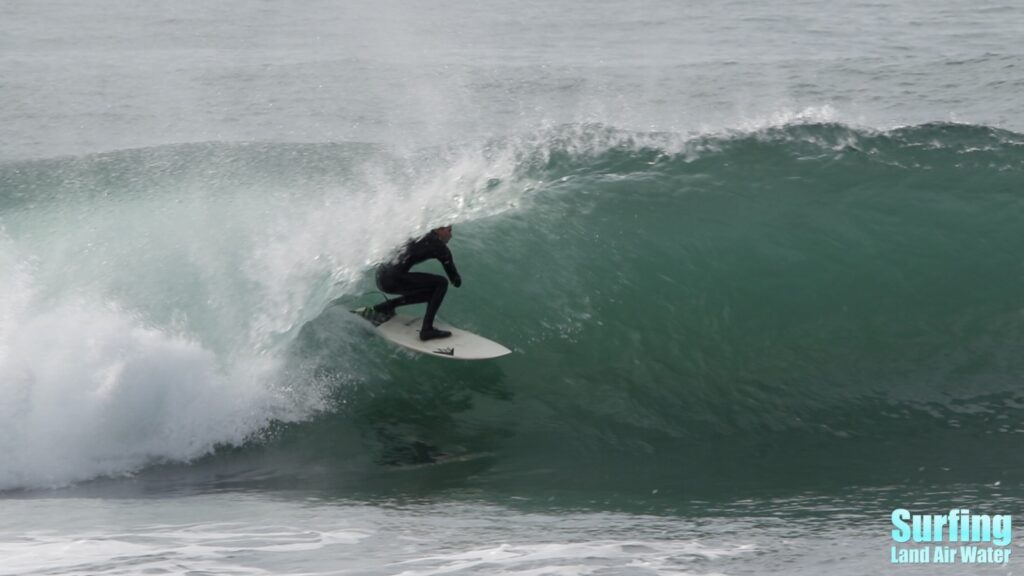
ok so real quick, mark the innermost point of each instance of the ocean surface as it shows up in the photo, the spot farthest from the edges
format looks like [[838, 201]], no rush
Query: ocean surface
[[760, 264]]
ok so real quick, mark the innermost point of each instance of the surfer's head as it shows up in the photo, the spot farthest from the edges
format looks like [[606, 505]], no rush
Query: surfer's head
[[444, 233]]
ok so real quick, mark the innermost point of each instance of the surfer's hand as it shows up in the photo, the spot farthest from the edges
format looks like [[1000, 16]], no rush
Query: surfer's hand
[[457, 280]]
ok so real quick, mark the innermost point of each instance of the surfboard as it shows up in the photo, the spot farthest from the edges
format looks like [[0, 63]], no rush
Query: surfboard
[[461, 345]]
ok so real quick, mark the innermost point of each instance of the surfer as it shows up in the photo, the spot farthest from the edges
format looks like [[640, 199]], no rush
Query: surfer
[[394, 277]]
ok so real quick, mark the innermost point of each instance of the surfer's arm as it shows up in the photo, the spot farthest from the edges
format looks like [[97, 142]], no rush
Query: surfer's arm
[[449, 266]]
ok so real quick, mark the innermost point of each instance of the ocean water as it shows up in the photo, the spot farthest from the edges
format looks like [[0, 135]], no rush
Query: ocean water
[[760, 266]]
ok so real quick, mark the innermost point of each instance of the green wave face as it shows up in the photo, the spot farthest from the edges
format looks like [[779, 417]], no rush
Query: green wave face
[[813, 304]]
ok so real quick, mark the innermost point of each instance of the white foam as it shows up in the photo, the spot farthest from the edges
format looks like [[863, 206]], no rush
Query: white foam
[[679, 557], [824, 114], [205, 548], [88, 390]]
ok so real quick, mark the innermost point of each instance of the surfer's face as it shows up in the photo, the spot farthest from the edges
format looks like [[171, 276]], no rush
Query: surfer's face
[[444, 233]]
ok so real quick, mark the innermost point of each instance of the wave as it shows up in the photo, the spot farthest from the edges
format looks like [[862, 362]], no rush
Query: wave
[[839, 285]]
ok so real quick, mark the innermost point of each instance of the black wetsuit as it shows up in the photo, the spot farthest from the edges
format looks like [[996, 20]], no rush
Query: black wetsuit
[[415, 287]]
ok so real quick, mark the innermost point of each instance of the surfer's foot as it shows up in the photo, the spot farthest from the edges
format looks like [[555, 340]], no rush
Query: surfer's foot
[[383, 312], [433, 334]]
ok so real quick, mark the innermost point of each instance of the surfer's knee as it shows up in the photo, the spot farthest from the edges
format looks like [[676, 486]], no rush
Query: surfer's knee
[[440, 285]]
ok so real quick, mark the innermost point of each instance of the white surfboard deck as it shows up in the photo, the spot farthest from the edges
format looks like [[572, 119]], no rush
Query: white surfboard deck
[[461, 345]]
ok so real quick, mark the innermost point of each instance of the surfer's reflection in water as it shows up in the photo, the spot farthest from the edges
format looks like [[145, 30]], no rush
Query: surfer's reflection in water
[[394, 277]]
